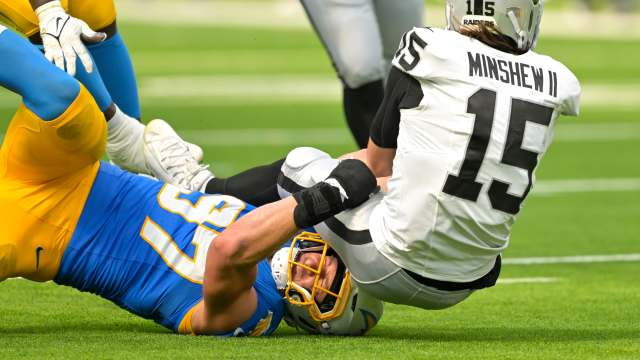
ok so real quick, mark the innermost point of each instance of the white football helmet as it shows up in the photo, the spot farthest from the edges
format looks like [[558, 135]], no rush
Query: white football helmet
[[516, 19], [344, 310]]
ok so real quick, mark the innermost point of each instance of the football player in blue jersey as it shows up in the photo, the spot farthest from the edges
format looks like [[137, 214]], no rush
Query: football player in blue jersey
[[191, 262]]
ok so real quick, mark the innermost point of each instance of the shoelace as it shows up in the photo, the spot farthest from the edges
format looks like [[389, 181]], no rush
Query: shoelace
[[179, 163]]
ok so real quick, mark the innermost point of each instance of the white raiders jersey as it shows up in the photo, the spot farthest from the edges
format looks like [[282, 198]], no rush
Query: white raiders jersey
[[467, 153]]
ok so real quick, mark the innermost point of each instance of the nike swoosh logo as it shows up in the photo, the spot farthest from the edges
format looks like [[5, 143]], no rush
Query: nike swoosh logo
[[39, 249]]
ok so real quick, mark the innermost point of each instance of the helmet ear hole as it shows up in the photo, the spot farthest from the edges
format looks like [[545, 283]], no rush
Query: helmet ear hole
[[354, 302]]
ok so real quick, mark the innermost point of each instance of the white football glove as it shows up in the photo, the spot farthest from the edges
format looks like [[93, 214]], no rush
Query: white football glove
[[62, 37]]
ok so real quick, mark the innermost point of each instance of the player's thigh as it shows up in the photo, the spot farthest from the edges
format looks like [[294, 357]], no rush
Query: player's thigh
[[400, 288], [36, 151], [375, 274], [349, 31], [98, 14], [395, 18], [20, 15]]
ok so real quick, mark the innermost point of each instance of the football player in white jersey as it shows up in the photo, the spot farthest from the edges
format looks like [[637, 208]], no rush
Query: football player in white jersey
[[468, 113], [361, 37]]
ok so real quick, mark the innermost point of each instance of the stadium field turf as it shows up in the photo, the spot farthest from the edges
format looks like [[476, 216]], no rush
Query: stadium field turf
[[248, 95]]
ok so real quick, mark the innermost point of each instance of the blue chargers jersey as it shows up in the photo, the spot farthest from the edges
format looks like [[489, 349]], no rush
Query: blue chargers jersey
[[142, 244]]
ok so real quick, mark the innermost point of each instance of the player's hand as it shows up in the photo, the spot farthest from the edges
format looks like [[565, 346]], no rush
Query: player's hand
[[63, 37]]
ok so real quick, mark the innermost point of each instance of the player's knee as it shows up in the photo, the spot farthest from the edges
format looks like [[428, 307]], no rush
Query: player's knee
[[65, 89], [304, 167], [303, 156], [57, 91]]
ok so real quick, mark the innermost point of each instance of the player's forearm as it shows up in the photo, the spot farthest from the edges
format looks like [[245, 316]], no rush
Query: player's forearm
[[380, 160], [257, 235], [46, 90]]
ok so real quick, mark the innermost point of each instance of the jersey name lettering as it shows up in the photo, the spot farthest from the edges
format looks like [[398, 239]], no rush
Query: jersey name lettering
[[511, 72]]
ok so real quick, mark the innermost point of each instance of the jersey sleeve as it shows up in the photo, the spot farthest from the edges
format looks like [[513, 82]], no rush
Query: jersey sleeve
[[571, 101], [414, 60], [420, 52], [401, 92]]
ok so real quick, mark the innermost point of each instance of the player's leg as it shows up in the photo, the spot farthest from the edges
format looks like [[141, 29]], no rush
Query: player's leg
[[48, 160], [172, 160], [257, 186], [374, 273], [302, 168], [115, 74], [58, 129], [19, 15], [124, 145], [349, 31], [395, 18], [111, 56], [125, 134], [116, 69]]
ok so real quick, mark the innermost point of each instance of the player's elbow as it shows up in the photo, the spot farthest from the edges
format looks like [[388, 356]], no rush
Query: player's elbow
[[232, 249]]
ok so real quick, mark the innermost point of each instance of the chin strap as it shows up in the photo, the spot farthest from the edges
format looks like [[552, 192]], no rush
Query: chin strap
[[521, 34]]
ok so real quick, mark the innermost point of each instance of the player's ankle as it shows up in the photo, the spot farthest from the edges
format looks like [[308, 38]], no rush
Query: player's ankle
[[125, 142]]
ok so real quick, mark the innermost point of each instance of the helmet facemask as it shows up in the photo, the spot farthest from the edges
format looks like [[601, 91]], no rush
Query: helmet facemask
[[333, 299], [340, 309]]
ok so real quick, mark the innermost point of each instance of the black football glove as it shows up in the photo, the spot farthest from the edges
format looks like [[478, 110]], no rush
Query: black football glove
[[357, 181], [350, 184]]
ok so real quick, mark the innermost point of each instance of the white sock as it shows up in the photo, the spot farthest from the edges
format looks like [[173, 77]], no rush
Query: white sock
[[125, 142]]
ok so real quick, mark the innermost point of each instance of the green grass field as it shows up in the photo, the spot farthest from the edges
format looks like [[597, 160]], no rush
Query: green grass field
[[585, 311]]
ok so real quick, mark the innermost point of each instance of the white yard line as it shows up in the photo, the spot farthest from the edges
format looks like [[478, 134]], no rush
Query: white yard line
[[610, 94], [340, 136], [315, 88], [572, 259], [553, 187], [577, 132], [269, 137], [528, 280], [245, 89], [187, 91]]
